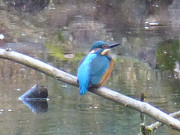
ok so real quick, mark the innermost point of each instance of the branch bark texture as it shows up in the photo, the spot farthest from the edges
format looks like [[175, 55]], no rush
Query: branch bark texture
[[104, 92]]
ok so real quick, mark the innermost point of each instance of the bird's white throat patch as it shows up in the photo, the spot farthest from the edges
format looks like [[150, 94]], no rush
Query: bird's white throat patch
[[105, 51]]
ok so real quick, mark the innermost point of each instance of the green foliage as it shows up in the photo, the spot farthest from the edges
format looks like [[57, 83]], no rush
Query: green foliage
[[145, 131], [167, 54], [119, 60], [58, 52], [60, 36], [79, 56]]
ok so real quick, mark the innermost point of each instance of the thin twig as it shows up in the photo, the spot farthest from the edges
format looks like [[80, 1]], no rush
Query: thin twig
[[158, 124]]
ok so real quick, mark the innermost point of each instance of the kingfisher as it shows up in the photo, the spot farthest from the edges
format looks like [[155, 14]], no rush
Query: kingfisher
[[95, 68]]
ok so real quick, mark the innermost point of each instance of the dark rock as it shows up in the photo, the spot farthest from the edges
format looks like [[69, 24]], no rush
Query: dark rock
[[36, 92]]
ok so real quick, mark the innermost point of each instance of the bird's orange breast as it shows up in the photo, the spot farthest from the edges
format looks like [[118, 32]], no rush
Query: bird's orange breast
[[107, 74]]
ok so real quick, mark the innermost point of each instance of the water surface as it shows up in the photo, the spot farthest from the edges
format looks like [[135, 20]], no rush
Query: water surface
[[60, 33]]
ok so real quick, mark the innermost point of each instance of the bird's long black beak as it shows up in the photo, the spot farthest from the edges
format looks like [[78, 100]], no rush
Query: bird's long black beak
[[114, 45]]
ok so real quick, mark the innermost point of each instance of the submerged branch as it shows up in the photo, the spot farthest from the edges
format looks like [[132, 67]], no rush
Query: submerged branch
[[102, 91]]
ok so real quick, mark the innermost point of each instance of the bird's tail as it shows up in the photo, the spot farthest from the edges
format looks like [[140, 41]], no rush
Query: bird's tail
[[82, 90]]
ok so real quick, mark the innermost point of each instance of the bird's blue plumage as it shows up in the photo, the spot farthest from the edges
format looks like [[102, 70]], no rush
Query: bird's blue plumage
[[92, 69], [84, 73], [96, 67], [98, 44], [99, 66]]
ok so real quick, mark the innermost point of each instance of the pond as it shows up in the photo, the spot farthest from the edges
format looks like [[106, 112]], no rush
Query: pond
[[60, 33]]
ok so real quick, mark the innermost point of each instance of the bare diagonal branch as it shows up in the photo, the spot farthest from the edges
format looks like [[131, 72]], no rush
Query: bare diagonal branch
[[104, 92]]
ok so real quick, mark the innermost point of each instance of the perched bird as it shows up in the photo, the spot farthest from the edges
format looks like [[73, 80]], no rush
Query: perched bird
[[95, 69]]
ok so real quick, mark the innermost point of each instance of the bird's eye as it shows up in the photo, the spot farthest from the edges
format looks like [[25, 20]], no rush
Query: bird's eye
[[104, 46]]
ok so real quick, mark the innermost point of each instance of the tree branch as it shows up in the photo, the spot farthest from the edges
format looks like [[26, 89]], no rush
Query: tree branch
[[104, 92]]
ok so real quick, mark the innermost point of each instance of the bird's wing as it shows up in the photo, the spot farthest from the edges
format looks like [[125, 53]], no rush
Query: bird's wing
[[84, 73], [99, 66]]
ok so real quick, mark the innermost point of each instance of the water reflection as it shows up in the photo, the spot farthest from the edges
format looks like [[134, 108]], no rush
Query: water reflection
[[36, 98], [61, 35], [37, 106]]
